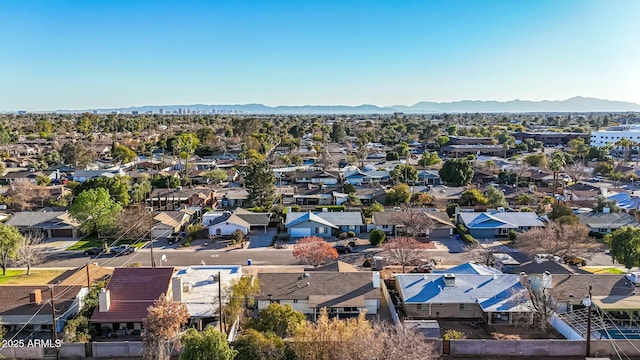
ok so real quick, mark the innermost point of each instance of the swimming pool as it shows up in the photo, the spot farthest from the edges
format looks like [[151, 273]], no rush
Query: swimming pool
[[616, 334]]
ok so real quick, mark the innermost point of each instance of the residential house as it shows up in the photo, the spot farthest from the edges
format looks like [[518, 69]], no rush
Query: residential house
[[169, 222], [172, 199], [448, 193], [122, 305], [29, 306], [367, 178], [489, 225], [368, 196], [314, 194], [16, 163], [51, 224], [387, 221], [539, 267], [226, 222], [13, 176], [568, 290], [344, 294], [315, 177], [605, 223], [429, 177], [84, 175], [198, 287], [496, 298], [582, 192], [469, 269], [232, 197], [323, 224]]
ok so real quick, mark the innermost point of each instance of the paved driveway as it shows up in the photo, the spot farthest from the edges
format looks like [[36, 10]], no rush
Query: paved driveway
[[260, 239]]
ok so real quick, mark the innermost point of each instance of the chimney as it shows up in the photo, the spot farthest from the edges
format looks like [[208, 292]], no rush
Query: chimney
[[375, 279], [524, 279], [176, 288], [449, 280], [104, 300], [546, 280], [35, 297]]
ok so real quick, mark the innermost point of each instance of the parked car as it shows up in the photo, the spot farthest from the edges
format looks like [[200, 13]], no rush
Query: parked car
[[546, 257], [94, 251], [424, 268], [574, 260], [344, 249], [174, 238], [122, 250]]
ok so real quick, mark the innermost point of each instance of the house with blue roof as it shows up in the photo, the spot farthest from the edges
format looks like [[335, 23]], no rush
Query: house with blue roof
[[323, 224], [495, 298], [489, 225]]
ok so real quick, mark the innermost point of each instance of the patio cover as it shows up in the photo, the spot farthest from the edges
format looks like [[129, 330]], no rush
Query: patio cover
[[617, 303], [316, 301]]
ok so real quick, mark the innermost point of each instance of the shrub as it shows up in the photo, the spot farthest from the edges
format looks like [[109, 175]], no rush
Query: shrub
[[377, 237], [451, 334], [512, 235], [351, 234], [451, 209], [342, 235], [468, 239]]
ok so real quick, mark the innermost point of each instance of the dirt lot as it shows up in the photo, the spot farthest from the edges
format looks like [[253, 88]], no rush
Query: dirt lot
[[498, 332]]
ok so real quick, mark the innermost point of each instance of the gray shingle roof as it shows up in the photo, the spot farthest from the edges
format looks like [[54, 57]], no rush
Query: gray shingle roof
[[291, 286], [607, 221]]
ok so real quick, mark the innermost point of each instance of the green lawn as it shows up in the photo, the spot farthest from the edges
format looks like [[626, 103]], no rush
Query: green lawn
[[37, 277], [129, 241], [87, 242], [611, 270]]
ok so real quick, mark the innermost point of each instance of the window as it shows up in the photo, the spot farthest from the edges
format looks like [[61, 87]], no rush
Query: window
[[350, 309], [351, 227], [295, 301], [321, 230], [130, 326], [464, 307], [503, 231]]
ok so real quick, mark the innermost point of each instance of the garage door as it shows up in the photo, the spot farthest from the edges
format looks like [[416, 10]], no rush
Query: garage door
[[302, 232], [61, 233], [161, 233]]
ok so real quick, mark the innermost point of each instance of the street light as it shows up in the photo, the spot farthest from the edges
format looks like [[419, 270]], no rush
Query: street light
[[587, 302]]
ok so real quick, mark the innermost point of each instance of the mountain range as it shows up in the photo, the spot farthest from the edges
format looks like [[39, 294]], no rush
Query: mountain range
[[574, 104]]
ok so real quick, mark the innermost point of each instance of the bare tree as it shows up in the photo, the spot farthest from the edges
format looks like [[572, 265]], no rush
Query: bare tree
[[29, 253], [576, 171], [556, 239], [162, 327], [480, 254], [398, 343], [404, 250], [26, 195], [414, 220], [535, 303], [134, 214]]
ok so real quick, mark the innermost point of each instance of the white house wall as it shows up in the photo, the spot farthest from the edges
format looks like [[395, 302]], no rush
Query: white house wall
[[226, 229]]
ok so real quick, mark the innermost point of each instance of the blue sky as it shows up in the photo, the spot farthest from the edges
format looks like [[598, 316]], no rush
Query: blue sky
[[95, 54]]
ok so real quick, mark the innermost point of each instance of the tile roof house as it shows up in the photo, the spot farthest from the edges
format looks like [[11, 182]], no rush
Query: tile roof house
[[323, 224], [495, 297], [387, 221], [605, 223], [52, 224], [22, 304], [345, 294], [488, 225], [123, 303]]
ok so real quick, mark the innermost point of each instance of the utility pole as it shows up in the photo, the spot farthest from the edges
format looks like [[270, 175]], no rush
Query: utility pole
[[153, 259], [220, 301], [589, 304], [53, 316], [88, 278]]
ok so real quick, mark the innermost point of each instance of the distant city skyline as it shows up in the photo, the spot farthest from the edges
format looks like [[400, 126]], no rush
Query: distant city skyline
[[112, 54]]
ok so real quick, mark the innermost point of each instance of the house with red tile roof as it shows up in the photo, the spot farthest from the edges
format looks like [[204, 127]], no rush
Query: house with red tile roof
[[124, 301]]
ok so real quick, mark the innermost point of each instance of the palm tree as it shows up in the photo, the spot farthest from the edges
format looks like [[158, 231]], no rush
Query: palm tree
[[557, 163]]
